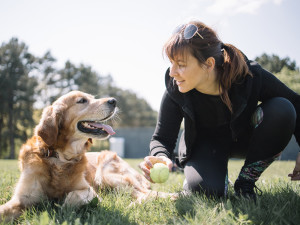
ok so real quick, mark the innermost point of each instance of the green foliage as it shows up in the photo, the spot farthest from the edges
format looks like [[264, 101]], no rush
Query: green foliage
[[134, 111], [16, 93], [284, 69], [274, 64], [291, 78], [279, 203]]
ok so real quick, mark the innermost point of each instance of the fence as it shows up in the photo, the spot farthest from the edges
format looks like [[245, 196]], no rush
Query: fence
[[136, 143]]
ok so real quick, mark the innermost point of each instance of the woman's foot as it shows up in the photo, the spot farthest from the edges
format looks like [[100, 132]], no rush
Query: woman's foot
[[246, 188]]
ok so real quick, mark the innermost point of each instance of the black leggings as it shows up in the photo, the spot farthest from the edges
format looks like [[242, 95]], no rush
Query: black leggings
[[207, 168]]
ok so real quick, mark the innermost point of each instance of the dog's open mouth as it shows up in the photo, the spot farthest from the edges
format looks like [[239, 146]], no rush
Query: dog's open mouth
[[95, 128]]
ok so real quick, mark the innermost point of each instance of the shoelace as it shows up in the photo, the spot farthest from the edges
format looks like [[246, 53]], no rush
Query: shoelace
[[250, 188], [257, 190]]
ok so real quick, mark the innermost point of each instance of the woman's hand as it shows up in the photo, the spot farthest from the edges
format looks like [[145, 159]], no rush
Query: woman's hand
[[149, 161], [296, 172]]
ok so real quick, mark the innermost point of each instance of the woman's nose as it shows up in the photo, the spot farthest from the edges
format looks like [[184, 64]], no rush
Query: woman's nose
[[172, 72]]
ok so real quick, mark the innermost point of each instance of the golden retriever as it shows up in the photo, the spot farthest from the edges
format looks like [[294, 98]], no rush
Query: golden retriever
[[54, 163]]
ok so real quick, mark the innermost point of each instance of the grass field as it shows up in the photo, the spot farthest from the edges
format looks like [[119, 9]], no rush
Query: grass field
[[279, 204]]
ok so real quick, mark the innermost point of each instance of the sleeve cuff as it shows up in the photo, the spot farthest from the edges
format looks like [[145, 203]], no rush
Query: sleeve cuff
[[160, 152]]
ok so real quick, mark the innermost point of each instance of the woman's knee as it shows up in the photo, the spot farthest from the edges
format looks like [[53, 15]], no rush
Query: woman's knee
[[213, 188], [205, 172], [277, 113], [276, 125], [280, 110]]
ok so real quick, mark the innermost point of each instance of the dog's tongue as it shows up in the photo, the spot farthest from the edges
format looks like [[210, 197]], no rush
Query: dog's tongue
[[105, 127]]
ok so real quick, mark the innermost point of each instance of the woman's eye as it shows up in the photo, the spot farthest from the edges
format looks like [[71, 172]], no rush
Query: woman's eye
[[81, 101]]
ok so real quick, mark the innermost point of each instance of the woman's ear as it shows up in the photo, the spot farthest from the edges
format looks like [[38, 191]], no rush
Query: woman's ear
[[210, 64]]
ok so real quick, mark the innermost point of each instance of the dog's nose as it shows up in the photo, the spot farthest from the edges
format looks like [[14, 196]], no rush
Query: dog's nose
[[112, 102]]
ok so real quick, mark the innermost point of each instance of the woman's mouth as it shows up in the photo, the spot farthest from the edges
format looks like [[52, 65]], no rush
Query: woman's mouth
[[179, 82]]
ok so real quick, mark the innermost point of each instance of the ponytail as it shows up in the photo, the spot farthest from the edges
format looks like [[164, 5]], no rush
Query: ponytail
[[233, 68]]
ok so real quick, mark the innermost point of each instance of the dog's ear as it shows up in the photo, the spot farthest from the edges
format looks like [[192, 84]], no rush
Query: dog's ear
[[49, 124]]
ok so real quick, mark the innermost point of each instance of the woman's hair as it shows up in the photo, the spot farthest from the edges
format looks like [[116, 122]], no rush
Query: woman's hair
[[230, 63]]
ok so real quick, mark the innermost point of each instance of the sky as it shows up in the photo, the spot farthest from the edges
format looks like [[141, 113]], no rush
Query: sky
[[124, 38]]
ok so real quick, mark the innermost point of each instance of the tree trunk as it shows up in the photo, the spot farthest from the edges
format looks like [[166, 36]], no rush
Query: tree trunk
[[1, 125], [11, 128]]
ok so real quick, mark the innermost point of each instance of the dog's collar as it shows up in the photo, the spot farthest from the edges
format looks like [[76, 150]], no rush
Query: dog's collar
[[50, 153]]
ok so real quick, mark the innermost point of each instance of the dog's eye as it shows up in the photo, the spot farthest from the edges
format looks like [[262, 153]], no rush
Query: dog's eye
[[81, 101]]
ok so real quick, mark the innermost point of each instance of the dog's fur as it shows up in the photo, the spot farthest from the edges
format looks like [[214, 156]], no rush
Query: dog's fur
[[54, 163]]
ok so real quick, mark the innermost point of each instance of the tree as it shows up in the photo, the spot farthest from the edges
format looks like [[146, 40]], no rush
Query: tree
[[16, 88], [291, 78], [274, 64], [134, 111], [87, 80], [45, 74], [55, 82]]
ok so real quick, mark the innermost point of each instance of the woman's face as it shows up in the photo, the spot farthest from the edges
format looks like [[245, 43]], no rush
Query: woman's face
[[189, 74]]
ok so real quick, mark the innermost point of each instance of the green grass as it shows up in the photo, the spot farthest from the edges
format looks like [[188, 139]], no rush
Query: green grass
[[279, 204]]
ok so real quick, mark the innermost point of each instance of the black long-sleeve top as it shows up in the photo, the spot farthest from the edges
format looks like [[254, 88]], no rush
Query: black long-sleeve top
[[244, 95]]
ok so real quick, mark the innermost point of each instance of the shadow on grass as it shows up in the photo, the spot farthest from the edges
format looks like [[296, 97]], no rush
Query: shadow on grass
[[186, 205], [280, 207], [51, 212]]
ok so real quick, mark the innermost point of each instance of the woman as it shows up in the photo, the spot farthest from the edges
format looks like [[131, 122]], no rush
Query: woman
[[216, 90]]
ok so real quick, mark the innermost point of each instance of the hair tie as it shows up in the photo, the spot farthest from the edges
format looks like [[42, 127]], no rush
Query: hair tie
[[222, 47]]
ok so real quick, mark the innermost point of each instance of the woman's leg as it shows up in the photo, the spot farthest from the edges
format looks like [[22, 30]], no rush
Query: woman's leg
[[274, 122], [207, 169]]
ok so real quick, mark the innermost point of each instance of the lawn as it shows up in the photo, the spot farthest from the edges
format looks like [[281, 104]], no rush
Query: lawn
[[279, 204]]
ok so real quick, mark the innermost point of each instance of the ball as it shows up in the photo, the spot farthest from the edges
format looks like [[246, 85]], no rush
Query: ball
[[159, 173]]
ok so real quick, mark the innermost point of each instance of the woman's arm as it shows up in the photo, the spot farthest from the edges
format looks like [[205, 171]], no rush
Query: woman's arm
[[165, 136], [164, 139], [273, 87], [296, 172]]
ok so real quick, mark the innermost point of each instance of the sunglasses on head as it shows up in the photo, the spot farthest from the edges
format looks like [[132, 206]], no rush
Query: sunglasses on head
[[189, 31]]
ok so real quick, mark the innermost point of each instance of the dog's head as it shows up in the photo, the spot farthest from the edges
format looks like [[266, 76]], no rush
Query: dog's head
[[76, 115]]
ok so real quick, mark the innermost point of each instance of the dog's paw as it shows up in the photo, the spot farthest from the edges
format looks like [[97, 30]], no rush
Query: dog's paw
[[174, 196], [81, 197], [10, 211]]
